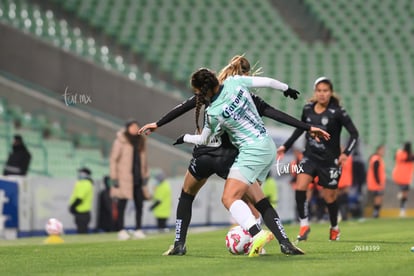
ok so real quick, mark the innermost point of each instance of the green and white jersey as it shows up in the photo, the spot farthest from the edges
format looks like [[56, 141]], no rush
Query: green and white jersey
[[234, 111]]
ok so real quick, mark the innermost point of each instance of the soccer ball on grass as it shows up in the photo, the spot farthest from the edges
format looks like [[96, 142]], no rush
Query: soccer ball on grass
[[54, 227], [238, 240]]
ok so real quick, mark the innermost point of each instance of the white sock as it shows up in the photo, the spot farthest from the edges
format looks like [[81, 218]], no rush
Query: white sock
[[242, 214], [304, 222]]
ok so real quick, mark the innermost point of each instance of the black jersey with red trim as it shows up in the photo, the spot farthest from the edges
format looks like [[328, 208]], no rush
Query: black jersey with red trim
[[332, 119]]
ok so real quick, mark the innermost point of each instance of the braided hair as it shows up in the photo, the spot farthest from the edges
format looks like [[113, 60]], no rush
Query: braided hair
[[203, 80]]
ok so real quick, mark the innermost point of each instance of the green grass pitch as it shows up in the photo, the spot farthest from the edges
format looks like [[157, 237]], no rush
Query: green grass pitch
[[370, 247]]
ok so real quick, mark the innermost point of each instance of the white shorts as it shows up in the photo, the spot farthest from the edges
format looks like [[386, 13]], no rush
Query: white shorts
[[254, 161]]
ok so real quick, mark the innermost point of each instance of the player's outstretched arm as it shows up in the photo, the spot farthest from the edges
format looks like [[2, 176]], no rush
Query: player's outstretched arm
[[174, 113], [275, 84]]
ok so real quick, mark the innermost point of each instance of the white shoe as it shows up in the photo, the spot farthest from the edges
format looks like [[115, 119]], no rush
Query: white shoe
[[123, 235], [402, 213], [138, 234]]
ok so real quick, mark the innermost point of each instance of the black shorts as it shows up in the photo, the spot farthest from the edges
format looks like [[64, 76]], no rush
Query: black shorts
[[404, 188], [328, 173], [376, 193], [205, 165]]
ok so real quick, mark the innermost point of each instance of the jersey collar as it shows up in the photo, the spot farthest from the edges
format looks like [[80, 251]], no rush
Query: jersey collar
[[217, 94]]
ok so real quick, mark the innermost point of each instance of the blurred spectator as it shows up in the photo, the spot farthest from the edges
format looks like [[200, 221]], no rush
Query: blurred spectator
[[81, 200], [402, 173], [376, 178], [129, 175], [359, 172], [106, 208], [359, 176], [161, 206], [269, 188], [345, 181], [19, 159]]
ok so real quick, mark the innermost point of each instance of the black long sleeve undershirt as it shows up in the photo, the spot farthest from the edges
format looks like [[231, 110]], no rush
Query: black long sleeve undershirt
[[177, 111], [295, 135], [263, 108], [267, 110], [353, 133]]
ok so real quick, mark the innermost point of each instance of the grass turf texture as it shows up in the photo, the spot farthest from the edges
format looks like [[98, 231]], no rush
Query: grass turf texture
[[372, 247]]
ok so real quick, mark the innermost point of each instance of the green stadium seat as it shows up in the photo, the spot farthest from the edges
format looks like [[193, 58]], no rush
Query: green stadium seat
[[371, 54]]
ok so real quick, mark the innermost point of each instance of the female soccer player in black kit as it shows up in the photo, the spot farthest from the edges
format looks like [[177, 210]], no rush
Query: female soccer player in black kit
[[208, 160], [324, 158]]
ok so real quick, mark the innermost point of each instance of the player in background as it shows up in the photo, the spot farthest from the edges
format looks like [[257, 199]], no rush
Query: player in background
[[211, 159], [402, 173], [324, 158], [376, 179]]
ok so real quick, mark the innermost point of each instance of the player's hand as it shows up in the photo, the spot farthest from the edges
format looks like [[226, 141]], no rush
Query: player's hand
[[146, 193], [148, 128], [180, 140], [317, 133], [342, 159], [72, 210], [291, 93], [281, 152]]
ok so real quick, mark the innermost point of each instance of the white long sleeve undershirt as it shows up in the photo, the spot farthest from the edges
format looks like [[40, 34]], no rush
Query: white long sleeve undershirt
[[257, 82], [268, 82], [200, 139]]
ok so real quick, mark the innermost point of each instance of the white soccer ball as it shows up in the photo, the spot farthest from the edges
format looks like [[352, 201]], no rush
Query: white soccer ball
[[238, 240], [54, 227]]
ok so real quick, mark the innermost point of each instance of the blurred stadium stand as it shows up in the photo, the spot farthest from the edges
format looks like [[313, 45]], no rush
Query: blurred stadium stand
[[365, 47]]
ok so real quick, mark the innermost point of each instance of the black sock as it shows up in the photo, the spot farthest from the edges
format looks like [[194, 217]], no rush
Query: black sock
[[254, 230], [184, 211], [301, 204], [333, 213], [377, 208], [271, 219], [402, 204]]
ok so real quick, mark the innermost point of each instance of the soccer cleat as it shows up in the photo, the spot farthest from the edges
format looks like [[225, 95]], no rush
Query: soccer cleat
[[286, 247], [259, 241], [138, 234], [334, 234], [178, 250], [123, 235], [303, 233]]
